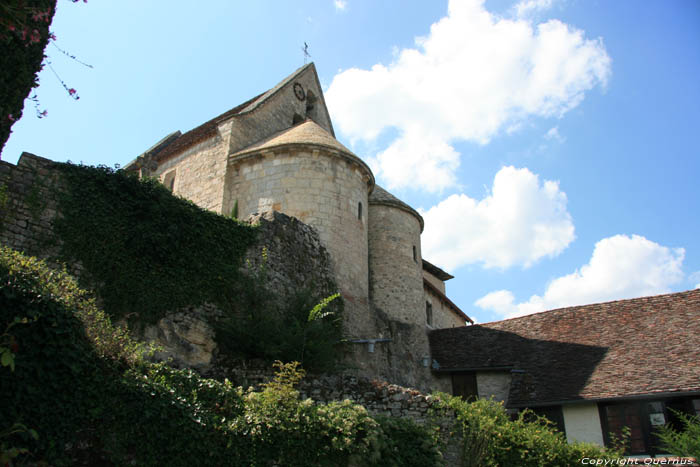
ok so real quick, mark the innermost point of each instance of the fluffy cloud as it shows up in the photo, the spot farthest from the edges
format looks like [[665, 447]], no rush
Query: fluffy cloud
[[621, 267], [340, 4], [519, 222], [474, 75], [525, 8]]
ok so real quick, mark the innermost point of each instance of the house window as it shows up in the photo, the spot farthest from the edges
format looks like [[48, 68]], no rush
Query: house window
[[429, 313], [696, 407], [553, 413], [169, 180], [359, 210], [464, 385], [415, 254]]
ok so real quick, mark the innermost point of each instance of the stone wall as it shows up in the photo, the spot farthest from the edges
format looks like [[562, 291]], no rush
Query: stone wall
[[321, 189], [27, 206], [440, 285], [443, 315], [396, 294], [200, 171], [276, 112], [296, 260]]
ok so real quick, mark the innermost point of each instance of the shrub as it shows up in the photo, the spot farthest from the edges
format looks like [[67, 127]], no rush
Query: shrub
[[82, 393], [404, 442], [491, 438], [684, 443]]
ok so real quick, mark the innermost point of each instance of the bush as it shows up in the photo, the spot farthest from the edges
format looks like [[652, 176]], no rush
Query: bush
[[81, 393], [491, 438], [684, 443], [404, 442]]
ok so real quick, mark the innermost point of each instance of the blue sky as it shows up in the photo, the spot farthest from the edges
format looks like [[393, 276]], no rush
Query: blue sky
[[550, 144]]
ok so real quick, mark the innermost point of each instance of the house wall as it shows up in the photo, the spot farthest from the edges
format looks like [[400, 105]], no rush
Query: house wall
[[582, 423], [493, 384]]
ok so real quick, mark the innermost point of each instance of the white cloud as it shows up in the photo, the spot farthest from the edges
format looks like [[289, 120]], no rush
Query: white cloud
[[525, 8], [553, 134], [472, 77], [519, 222], [621, 267], [340, 4]]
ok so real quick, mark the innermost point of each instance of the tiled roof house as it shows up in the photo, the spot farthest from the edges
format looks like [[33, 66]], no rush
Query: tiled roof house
[[591, 369]]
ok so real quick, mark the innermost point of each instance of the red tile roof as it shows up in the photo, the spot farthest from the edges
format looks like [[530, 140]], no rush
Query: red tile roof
[[638, 347]]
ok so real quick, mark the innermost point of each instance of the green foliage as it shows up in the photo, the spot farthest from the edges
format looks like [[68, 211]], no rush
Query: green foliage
[[285, 430], [262, 325], [234, 210], [79, 381], [491, 438], [684, 443], [405, 443], [146, 251], [23, 37]]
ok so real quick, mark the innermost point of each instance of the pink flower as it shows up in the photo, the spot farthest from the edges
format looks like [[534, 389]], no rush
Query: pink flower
[[52, 36], [72, 91], [11, 117]]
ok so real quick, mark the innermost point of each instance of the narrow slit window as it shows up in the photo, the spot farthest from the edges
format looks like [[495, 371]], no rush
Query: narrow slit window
[[359, 210], [415, 254], [169, 180], [429, 313]]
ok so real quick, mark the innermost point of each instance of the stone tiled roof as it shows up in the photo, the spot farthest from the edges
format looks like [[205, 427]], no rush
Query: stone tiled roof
[[202, 132], [308, 132], [638, 347], [381, 196]]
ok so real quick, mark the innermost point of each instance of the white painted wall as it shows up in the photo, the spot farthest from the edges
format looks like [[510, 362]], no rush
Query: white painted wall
[[582, 423]]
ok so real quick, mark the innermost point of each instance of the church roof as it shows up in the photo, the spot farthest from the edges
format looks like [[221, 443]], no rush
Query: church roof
[[307, 132], [640, 347], [176, 142], [381, 196]]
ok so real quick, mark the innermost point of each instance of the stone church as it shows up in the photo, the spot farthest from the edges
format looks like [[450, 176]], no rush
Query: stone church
[[278, 152]]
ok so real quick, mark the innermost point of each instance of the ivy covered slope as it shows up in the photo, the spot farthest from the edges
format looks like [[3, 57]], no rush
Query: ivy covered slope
[[144, 250], [77, 392]]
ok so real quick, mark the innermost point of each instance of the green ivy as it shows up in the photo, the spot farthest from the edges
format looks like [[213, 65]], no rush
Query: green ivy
[[145, 251]]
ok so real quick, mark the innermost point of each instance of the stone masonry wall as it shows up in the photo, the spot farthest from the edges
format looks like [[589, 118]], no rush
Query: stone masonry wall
[[443, 316], [296, 260], [200, 171], [396, 294], [26, 207], [323, 190], [276, 113], [440, 285]]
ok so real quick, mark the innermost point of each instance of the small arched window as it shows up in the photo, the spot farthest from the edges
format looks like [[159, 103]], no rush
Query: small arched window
[[359, 210]]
